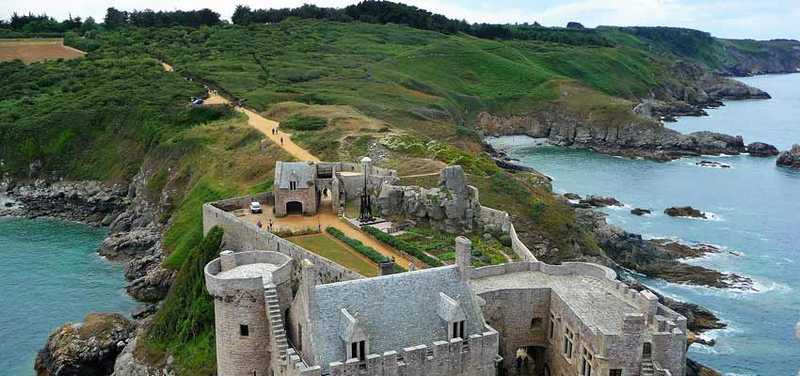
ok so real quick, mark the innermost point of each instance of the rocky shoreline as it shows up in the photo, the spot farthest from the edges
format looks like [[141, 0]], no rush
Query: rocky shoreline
[[134, 238]]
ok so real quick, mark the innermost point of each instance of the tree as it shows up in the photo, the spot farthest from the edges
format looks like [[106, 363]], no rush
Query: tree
[[115, 18]]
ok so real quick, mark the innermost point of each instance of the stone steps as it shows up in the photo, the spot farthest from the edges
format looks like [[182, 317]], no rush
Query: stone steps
[[276, 321]]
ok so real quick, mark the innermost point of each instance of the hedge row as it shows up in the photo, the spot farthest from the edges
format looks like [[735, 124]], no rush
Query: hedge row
[[404, 246], [365, 250]]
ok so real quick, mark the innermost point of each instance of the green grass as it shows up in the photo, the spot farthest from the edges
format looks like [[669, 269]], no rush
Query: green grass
[[331, 249], [442, 245], [304, 123], [401, 245], [184, 325]]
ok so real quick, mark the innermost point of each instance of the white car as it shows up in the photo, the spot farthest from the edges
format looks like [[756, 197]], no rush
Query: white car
[[255, 207]]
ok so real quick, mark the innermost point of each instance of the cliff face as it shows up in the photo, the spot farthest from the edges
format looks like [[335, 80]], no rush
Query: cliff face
[[643, 139], [774, 56]]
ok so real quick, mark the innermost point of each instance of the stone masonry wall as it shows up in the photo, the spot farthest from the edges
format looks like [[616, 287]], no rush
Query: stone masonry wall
[[474, 357], [243, 236]]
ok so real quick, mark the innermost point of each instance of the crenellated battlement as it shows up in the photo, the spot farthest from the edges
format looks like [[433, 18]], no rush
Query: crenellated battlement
[[456, 357]]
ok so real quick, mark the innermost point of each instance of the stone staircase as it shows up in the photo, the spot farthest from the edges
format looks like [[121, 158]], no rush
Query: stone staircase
[[647, 368], [279, 341]]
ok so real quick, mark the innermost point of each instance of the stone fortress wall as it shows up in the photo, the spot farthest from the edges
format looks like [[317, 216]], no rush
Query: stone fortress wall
[[522, 316], [244, 236]]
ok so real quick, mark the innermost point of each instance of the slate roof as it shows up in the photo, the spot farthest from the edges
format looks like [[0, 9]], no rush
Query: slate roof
[[396, 311], [286, 171]]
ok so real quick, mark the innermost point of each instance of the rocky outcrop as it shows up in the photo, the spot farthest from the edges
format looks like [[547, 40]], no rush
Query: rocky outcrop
[[633, 252], [698, 319], [641, 138], [760, 149], [453, 206], [696, 369], [130, 244], [680, 250], [712, 164], [640, 211], [128, 364], [89, 202], [790, 158], [775, 56], [86, 349], [600, 201], [684, 211]]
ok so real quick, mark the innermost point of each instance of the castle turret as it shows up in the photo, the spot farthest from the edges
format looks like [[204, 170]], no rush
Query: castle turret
[[237, 282]]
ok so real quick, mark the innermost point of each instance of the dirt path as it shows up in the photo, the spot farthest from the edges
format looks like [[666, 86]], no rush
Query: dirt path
[[266, 126]]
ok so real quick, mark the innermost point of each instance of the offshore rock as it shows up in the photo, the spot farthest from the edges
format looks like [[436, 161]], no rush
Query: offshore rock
[[790, 158], [760, 149], [684, 211], [640, 211], [89, 348], [600, 201]]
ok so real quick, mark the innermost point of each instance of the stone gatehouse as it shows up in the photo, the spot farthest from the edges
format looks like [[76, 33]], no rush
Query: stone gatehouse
[[308, 187]]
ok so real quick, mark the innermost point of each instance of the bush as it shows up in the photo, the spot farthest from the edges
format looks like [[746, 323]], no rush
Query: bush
[[402, 245], [305, 123], [357, 245]]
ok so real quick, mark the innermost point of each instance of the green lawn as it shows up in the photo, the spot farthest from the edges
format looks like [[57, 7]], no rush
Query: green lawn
[[334, 250]]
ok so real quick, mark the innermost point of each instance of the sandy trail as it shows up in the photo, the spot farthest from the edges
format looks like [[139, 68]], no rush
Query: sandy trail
[[266, 126]]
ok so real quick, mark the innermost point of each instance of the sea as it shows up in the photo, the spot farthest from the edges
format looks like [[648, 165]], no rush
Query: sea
[[754, 217], [50, 274]]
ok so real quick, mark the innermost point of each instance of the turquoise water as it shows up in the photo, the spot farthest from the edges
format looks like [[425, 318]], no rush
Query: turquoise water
[[50, 274], [756, 212]]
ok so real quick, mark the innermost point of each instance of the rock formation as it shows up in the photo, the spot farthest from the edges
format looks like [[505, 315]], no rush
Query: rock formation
[[640, 211], [89, 348], [453, 206], [600, 201], [760, 149], [684, 211], [790, 158]]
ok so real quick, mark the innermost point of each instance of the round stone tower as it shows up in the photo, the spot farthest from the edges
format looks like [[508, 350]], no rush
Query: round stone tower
[[243, 285]]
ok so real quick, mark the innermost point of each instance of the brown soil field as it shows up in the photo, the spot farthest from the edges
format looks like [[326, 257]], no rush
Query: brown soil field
[[33, 50]]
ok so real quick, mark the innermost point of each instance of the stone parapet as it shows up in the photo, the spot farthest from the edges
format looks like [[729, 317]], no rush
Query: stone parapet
[[475, 356]]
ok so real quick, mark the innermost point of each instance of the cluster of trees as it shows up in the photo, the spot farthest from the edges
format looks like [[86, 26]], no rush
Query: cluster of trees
[[383, 12], [149, 18], [32, 23]]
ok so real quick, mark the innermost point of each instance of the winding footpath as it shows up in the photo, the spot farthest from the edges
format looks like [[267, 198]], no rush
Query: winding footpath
[[262, 124]]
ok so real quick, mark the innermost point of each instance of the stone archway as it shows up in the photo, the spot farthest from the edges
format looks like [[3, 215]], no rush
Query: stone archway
[[294, 207]]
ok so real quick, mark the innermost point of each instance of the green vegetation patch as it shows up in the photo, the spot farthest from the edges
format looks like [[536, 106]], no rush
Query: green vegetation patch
[[184, 325], [485, 251], [305, 123], [329, 248], [401, 245]]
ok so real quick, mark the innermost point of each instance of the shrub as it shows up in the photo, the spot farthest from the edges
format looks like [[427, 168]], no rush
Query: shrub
[[357, 245], [402, 245], [305, 123]]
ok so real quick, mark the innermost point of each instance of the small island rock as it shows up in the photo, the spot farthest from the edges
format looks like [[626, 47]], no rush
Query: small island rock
[[760, 149], [790, 158], [684, 211], [640, 211], [600, 201]]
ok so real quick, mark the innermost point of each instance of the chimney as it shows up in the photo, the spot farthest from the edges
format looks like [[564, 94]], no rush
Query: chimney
[[387, 266], [309, 275], [463, 256], [227, 260]]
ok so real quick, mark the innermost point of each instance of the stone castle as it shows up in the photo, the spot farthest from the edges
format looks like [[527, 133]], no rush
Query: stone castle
[[283, 310]]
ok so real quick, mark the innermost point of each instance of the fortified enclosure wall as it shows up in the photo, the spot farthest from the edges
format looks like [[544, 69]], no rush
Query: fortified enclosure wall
[[244, 236]]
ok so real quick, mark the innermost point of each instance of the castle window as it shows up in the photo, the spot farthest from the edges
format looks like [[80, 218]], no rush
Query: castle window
[[458, 329], [615, 372], [569, 336], [586, 363], [299, 337], [292, 185], [536, 322], [552, 327], [358, 350], [244, 330]]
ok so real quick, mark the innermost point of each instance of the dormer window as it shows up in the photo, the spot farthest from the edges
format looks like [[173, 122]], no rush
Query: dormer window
[[358, 350], [458, 330], [292, 185]]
